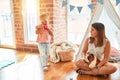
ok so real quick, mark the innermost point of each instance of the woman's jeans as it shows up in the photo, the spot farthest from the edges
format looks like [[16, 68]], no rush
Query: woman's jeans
[[44, 50]]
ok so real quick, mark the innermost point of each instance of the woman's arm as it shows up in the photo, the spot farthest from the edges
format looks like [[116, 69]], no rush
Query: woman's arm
[[106, 54], [85, 48]]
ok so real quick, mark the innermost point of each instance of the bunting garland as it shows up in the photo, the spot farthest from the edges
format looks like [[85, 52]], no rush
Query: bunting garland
[[100, 1], [71, 7], [117, 2], [79, 9], [64, 3], [91, 6]]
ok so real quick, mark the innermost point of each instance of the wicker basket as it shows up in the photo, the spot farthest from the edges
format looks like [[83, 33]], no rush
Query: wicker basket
[[66, 55]]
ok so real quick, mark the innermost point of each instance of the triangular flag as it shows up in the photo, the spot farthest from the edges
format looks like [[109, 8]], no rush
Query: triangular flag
[[64, 3], [117, 2], [100, 1], [79, 9], [71, 7], [90, 6]]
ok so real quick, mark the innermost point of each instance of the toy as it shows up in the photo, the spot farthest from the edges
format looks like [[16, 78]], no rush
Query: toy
[[92, 60]]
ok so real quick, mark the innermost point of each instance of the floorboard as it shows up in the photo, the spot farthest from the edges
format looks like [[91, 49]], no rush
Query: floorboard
[[27, 67]]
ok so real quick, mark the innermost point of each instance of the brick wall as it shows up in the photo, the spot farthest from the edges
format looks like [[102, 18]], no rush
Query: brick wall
[[57, 20], [60, 21], [57, 17], [18, 23]]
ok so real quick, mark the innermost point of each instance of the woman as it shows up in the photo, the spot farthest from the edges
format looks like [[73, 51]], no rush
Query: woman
[[99, 45]]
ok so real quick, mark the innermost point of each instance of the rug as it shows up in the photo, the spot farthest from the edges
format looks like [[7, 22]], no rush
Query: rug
[[5, 63]]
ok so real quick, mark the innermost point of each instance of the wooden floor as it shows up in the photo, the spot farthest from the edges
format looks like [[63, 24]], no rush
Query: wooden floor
[[27, 67]]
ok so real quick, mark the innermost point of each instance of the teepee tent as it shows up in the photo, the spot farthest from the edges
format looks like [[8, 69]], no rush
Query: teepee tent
[[106, 14]]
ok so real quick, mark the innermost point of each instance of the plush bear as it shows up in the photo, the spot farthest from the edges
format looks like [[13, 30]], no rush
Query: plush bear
[[92, 60]]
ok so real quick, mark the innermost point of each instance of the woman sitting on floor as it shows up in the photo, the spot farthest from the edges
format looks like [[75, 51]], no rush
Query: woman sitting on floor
[[99, 45]]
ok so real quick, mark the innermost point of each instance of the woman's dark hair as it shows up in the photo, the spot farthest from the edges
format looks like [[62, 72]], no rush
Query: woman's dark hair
[[101, 33]]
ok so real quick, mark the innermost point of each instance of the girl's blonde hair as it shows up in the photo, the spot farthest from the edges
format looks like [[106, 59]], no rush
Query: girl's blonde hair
[[101, 33], [44, 16]]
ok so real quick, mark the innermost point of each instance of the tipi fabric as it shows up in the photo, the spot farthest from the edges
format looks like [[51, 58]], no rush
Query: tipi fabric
[[96, 15]]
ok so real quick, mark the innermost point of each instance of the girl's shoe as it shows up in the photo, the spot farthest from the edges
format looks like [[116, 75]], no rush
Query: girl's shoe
[[45, 68], [48, 64], [80, 71], [77, 70], [103, 76]]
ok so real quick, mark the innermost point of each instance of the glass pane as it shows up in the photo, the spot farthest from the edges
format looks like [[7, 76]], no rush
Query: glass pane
[[78, 22], [31, 16], [6, 26], [76, 29]]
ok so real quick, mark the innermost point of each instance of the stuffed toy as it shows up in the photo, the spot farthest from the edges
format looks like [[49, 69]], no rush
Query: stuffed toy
[[45, 27], [92, 60]]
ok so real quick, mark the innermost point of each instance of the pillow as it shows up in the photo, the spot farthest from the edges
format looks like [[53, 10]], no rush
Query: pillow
[[114, 52]]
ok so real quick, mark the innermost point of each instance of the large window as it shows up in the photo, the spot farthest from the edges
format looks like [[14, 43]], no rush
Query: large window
[[7, 37], [31, 19], [78, 21]]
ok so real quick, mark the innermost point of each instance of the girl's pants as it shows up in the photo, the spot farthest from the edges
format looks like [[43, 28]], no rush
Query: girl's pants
[[44, 50]]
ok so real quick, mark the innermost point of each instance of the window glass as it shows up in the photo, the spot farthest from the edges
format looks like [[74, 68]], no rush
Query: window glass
[[30, 19], [78, 21], [6, 24]]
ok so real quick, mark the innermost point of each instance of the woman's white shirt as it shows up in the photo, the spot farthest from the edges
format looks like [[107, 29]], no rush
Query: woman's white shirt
[[97, 51]]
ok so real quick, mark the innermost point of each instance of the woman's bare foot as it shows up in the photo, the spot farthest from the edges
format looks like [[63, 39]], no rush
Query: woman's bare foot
[[75, 67]]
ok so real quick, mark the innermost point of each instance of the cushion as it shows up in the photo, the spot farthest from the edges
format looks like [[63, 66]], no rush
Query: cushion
[[114, 52], [66, 55]]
